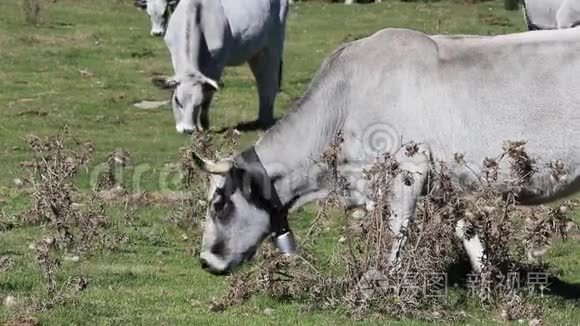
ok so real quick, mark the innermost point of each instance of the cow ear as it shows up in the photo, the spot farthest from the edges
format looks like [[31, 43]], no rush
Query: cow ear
[[142, 4], [172, 4], [164, 83], [204, 80], [213, 24], [212, 83]]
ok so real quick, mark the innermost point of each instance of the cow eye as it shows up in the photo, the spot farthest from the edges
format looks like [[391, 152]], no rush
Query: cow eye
[[219, 205]]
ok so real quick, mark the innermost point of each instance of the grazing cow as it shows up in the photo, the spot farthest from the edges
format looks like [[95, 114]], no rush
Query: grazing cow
[[450, 94], [551, 14], [159, 12], [205, 36]]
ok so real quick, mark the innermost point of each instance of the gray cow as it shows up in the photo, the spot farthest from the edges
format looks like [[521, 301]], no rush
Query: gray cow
[[450, 94], [205, 36], [159, 12], [551, 14]]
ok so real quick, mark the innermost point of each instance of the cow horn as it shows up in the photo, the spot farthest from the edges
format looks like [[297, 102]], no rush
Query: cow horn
[[141, 4], [164, 82], [212, 83], [220, 167]]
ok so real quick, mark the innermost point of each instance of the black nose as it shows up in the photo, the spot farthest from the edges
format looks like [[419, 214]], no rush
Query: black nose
[[188, 131], [204, 263]]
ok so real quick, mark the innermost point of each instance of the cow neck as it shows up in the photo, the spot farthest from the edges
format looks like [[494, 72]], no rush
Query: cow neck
[[249, 161]]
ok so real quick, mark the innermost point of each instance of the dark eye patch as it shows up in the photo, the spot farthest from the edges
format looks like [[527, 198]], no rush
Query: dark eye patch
[[179, 105], [237, 180], [141, 4], [221, 206]]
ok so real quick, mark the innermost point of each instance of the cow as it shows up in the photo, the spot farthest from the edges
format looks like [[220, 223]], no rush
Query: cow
[[448, 94], [159, 12], [551, 14], [205, 36]]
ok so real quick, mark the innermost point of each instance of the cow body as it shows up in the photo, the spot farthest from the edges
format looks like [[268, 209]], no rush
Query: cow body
[[207, 35], [551, 14], [450, 95]]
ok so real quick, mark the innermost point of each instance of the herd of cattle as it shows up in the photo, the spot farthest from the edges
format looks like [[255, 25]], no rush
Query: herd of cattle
[[448, 94]]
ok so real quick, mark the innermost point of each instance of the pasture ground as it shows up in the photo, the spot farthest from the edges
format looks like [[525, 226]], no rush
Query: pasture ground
[[86, 65]]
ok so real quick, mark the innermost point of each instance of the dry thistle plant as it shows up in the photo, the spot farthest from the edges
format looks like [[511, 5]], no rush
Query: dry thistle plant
[[114, 164], [514, 237], [32, 10], [6, 263], [7, 222], [81, 223], [54, 195], [48, 262], [75, 223]]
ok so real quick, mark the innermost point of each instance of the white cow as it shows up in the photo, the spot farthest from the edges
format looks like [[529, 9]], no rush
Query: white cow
[[450, 94], [205, 36], [551, 14]]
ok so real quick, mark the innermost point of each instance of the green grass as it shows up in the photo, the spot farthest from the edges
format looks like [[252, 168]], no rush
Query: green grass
[[152, 280]]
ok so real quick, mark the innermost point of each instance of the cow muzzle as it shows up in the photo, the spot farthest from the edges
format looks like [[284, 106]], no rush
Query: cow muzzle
[[157, 32], [187, 130]]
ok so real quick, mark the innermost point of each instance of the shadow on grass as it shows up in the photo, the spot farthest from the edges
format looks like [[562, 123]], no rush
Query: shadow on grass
[[563, 289], [248, 126]]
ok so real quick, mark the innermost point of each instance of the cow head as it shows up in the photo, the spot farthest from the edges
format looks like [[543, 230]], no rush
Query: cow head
[[191, 95], [237, 221], [158, 11]]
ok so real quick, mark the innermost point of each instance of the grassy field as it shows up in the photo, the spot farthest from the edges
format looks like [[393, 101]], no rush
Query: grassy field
[[86, 65]]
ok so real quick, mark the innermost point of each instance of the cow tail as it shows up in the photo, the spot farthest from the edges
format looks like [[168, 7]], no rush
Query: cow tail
[[280, 70]]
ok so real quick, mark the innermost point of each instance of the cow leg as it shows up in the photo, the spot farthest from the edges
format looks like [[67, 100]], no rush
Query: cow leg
[[472, 245], [203, 117], [266, 69], [405, 190]]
